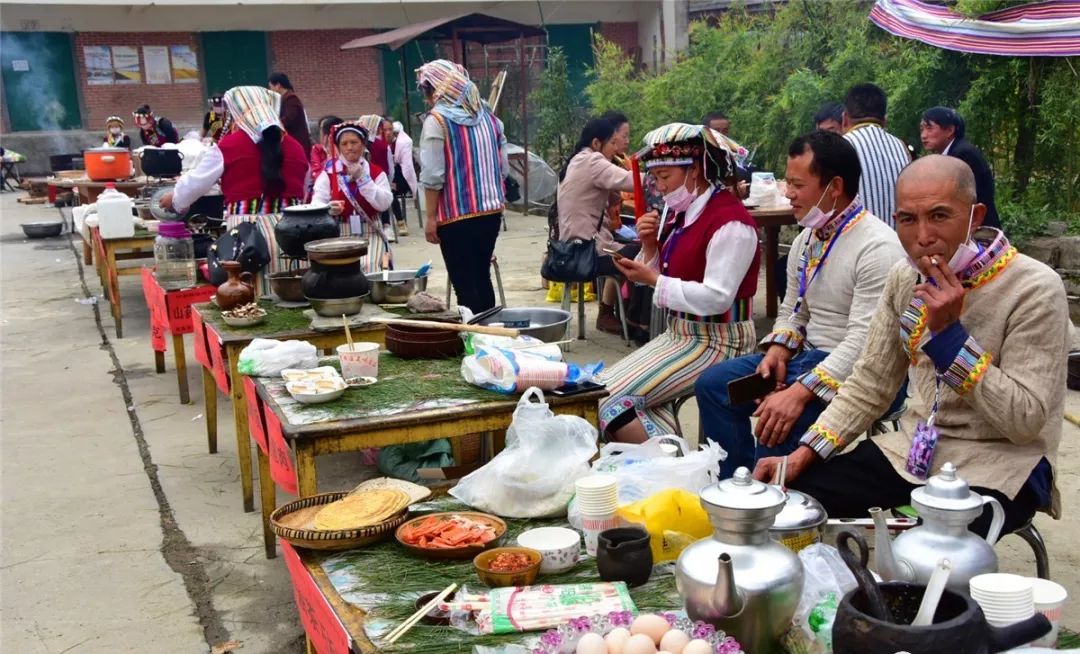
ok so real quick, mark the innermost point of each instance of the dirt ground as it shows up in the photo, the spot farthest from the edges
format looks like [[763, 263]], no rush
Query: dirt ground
[[121, 534]]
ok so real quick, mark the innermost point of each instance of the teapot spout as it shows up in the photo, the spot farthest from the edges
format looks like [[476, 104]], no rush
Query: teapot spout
[[1003, 639], [726, 598], [883, 554]]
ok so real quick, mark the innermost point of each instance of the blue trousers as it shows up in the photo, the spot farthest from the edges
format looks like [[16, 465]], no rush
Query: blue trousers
[[729, 425]]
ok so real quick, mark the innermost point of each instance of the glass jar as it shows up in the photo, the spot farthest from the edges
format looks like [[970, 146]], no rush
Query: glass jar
[[174, 255]]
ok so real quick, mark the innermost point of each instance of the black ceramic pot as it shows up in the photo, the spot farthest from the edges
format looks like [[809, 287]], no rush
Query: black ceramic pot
[[959, 626], [623, 554], [302, 224], [331, 282], [161, 162]]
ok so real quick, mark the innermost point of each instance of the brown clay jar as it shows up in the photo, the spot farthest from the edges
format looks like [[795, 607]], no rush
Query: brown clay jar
[[237, 290]]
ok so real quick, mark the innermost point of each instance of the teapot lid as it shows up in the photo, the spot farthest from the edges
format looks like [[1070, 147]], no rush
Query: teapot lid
[[947, 490], [800, 511], [742, 491]]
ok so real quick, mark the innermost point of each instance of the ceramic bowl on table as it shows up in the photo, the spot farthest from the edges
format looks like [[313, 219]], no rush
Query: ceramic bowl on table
[[410, 342], [560, 547], [453, 553], [521, 577], [243, 322], [317, 392], [286, 285]]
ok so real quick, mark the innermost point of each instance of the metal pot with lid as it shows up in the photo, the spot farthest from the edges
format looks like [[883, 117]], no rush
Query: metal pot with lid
[[740, 580], [800, 523]]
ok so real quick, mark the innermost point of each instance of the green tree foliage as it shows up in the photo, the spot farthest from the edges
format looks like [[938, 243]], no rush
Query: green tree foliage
[[769, 72], [559, 115]]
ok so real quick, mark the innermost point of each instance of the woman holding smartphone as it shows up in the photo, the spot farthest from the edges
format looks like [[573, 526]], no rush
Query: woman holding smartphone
[[701, 256]]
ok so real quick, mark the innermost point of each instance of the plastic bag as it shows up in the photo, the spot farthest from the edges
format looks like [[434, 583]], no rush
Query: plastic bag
[[645, 469], [265, 357], [674, 519], [507, 371], [827, 580], [533, 346], [534, 476]]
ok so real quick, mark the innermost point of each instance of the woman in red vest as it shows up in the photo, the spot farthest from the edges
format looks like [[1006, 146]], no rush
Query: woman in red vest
[[701, 255], [260, 167], [357, 191]]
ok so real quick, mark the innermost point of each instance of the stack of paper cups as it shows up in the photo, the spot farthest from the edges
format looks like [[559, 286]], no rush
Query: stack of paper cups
[[1004, 598], [597, 500], [1049, 600]]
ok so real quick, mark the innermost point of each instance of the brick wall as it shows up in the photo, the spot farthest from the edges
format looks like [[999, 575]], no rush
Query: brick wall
[[346, 83], [181, 103], [623, 34]]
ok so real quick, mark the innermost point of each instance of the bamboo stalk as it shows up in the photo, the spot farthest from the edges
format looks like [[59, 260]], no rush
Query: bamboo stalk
[[451, 326], [348, 334]]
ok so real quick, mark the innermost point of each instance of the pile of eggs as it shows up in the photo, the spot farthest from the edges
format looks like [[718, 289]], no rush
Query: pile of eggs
[[648, 634]]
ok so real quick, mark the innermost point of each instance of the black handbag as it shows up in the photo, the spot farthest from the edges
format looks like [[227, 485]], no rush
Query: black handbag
[[245, 244], [572, 261]]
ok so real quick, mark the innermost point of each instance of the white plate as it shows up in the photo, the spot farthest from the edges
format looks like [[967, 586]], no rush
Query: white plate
[[356, 382], [318, 398]]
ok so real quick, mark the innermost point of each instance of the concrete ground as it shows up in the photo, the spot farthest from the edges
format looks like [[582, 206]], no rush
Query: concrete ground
[[121, 534]]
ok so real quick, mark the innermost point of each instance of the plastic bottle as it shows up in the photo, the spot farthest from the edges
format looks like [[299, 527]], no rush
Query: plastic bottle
[[115, 219], [174, 254]]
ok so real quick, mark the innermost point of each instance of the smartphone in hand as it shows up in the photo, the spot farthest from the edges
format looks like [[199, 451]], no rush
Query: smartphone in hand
[[749, 388], [615, 254]]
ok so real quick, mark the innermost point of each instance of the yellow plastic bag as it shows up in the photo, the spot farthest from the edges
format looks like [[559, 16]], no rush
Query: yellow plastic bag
[[674, 519]]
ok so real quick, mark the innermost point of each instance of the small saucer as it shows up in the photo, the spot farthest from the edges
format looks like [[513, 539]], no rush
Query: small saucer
[[360, 382]]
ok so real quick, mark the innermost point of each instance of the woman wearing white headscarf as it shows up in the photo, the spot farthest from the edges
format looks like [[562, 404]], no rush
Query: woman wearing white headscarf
[[260, 167]]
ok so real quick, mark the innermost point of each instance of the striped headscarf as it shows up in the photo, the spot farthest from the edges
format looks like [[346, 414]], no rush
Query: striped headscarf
[[253, 109], [451, 85], [371, 123]]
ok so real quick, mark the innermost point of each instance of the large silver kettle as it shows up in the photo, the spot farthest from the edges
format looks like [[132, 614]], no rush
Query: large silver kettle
[[947, 506], [740, 580]]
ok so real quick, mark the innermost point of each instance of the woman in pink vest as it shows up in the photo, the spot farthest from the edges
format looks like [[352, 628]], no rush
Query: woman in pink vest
[[357, 191], [701, 255]]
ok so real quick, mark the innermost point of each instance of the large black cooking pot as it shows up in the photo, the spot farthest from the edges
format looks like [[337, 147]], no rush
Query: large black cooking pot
[[302, 224], [161, 162], [336, 268], [59, 162]]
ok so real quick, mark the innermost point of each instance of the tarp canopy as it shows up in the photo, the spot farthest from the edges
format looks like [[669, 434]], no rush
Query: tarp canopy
[[478, 28], [1040, 29]]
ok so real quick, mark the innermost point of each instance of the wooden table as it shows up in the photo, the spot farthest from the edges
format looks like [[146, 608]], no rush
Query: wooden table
[[771, 220], [170, 313], [110, 251], [290, 436], [217, 349]]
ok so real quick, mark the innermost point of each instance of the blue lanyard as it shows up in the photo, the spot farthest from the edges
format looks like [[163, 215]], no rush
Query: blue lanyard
[[804, 260]]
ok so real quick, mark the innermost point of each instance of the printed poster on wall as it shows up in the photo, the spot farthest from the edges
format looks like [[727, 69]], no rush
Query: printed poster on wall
[[126, 68], [185, 67], [99, 68], [157, 64]]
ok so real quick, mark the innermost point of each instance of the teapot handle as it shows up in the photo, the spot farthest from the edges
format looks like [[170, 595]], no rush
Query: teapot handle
[[249, 279], [997, 522]]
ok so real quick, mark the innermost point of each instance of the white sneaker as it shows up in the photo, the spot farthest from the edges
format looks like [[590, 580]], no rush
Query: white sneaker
[[388, 232], [402, 229]]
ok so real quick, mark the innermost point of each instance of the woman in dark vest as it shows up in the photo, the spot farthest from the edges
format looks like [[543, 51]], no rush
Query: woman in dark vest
[[357, 191], [701, 256]]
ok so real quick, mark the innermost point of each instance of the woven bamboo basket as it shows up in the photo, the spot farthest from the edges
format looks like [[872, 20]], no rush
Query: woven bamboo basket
[[290, 522]]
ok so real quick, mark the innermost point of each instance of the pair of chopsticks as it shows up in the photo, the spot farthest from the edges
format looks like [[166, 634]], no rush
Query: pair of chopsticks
[[402, 628], [348, 334]]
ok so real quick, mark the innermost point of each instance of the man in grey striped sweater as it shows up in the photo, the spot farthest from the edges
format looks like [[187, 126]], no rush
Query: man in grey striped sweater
[[881, 155]]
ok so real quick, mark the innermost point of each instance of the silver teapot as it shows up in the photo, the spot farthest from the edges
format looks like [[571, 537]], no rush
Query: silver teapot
[[740, 580], [947, 506]]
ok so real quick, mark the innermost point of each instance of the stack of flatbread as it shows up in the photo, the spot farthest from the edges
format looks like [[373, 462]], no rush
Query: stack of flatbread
[[363, 509]]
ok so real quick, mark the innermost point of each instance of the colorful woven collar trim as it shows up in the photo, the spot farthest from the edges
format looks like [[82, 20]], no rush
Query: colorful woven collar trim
[[855, 209], [996, 255]]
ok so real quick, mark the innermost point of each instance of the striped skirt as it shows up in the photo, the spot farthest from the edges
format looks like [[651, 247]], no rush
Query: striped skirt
[[665, 369], [378, 246], [265, 222]]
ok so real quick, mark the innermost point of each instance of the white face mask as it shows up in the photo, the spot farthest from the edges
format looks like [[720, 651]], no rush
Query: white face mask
[[965, 252], [680, 199], [816, 218], [115, 131]]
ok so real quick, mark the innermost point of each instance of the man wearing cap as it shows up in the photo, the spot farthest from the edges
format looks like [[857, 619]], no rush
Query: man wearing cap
[[982, 332], [153, 130], [214, 120]]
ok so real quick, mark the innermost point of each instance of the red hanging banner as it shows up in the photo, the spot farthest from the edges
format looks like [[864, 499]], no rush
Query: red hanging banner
[[323, 627], [282, 468], [255, 414]]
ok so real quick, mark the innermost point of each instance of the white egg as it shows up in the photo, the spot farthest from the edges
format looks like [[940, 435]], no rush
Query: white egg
[[616, 640], [591, 644], [674, 641], [639, 644], [698, 646], [651, 625]]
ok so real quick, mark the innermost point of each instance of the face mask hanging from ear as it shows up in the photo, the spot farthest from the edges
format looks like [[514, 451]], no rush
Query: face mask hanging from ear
[[816, 218], [966, 251]]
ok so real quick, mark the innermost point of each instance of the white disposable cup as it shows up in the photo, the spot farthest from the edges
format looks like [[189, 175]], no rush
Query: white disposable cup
[[362, 360], [1049, 600], [591, 526]]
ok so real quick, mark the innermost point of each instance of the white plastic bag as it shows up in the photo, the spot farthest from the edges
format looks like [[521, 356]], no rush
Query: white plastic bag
[[534, 476], [827, 580], [265, 357], [644, 469]]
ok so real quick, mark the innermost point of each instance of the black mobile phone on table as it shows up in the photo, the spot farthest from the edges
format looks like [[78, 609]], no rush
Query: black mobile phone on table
[[749, 388], [574, 389]]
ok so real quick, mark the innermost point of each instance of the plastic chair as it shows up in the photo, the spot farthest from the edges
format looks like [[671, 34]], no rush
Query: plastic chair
[[498, 283]]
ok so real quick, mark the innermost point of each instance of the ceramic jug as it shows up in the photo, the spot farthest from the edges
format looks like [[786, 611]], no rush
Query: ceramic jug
[[237, 290], [623, 554]]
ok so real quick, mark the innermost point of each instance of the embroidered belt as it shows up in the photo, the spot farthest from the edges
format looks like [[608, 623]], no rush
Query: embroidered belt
[[741, 310], [259, 206]]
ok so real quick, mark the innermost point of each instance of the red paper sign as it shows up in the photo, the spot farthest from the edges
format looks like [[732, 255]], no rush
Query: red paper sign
[[178, 306], [255, 414], [217, 359], [282, 469], [325, 630], [199, 336]]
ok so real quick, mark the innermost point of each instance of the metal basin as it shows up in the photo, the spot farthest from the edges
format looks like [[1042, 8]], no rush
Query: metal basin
[[548, 325], [396, 287], [44, 229], [346, 306]]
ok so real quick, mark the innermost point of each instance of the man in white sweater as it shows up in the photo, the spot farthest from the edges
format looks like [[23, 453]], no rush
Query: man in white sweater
[[836, 273]]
